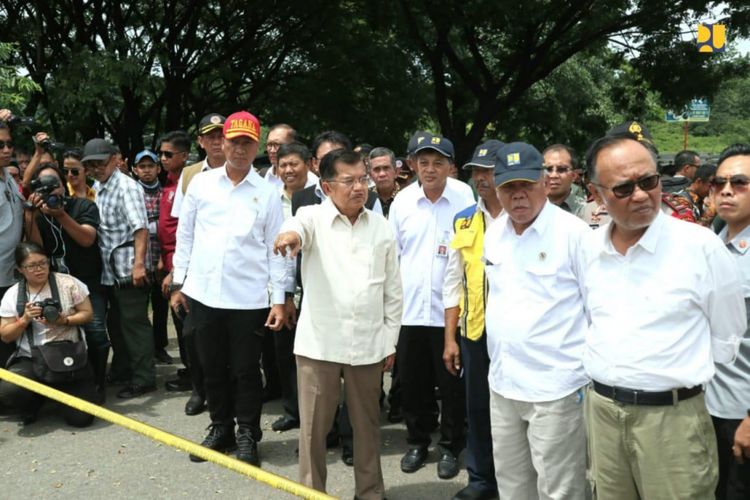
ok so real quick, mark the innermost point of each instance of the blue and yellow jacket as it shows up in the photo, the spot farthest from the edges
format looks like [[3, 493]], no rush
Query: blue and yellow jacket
[[469, 229]]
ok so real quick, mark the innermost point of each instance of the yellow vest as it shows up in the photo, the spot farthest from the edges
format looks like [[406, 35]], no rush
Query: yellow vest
[[469, 240]]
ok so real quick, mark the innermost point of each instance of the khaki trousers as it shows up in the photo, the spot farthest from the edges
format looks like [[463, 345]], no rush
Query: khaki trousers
[[539, 448], [319, 384], [651, 452]]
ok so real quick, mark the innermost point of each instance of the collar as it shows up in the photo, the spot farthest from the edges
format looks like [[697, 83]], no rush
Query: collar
[[251, 178], [374, 189], [648, 241], [481, 206], [113, 180], [739, 243], [331, 213], [540, 224], [319, 192]]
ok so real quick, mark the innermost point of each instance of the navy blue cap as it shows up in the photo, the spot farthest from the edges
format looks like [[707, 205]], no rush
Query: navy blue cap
[[414, 141], [518, 161], [485, 155], [435, 142]]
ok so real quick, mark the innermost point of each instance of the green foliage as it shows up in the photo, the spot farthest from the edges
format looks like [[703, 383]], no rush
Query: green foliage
[[15, 89]]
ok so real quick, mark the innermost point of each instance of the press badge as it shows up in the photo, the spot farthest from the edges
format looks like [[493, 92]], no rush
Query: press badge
[[442, 245]]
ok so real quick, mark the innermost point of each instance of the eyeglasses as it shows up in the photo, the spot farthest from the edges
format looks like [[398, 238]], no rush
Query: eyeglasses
[[6, 144], [273, 145], [349, 183], [34, 266], [560, 169], [738, 182], [72, 171], [626, 189], [168, 154]]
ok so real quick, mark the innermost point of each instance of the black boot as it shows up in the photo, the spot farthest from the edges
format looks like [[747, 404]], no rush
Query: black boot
[[98, 357]]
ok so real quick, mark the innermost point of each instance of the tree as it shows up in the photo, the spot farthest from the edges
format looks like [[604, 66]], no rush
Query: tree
[[483, 56], [14, 88]]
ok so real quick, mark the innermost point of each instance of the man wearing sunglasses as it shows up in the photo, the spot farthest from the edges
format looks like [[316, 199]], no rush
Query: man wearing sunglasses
[[11, 218], [664, 302], [560, 166], [728, 393]]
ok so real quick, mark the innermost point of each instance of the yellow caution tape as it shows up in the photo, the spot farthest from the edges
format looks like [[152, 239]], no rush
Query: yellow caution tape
[[273, 480]]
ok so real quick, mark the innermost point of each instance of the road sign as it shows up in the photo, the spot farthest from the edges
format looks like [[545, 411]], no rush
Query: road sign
[[697, 111]]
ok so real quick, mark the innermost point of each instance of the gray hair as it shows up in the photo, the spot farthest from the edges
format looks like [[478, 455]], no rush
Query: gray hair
[[381, 151]]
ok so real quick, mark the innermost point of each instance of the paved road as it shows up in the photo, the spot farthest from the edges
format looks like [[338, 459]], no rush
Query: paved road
[[48, 459]]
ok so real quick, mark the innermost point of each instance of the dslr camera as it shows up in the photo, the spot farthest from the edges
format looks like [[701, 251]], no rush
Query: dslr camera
[[44, 186], [51, 146], [51, 309], [21, 121]]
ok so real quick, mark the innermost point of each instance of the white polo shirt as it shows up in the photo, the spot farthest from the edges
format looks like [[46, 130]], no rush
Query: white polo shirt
[[661, 314], [423, 233], [534, 317]]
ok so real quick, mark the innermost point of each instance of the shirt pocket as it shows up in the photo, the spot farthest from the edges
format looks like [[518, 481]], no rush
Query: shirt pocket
[[242, 222], [541, 279], [377, 263]]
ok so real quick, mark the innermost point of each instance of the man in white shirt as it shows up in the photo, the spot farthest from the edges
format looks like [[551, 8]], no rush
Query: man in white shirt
[[278, 135], [350, 320], [535, 333], [293, 164], [225, 263], [664, 302], [422, 219], [728, 393]]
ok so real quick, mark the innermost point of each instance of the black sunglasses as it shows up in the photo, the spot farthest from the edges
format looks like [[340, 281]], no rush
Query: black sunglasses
[[168, 154], [628, 188], [560, 169], [72, 171], [6, 144], [737, 181]]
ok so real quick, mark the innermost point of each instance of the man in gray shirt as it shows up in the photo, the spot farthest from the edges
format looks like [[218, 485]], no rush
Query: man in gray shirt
[[11, 218], [728, 393]]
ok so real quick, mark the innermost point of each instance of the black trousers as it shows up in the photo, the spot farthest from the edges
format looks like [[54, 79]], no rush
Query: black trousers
[[734, 478], [420, 353], [160, 311], [29, 402], [478, 456], [287, 370], [191, 360], [229, 345]]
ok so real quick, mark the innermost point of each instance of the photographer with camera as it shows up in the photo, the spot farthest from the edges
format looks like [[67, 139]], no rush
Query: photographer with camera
[[44, 153], [43, 314], [66, 228]]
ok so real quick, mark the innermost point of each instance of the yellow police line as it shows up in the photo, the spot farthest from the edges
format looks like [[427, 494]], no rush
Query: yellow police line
[[278, 482]]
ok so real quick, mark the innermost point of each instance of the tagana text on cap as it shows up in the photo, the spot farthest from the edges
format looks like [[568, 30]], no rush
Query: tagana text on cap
[[242, 123]]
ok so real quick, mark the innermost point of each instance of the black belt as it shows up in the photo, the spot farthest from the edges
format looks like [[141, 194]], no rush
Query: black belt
[[646, 398]]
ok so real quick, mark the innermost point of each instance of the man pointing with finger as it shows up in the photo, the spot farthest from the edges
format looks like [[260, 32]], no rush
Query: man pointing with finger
[[350, 319], [224, 263]]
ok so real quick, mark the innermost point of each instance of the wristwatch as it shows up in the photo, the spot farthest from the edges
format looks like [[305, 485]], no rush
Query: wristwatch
[[174, 287]]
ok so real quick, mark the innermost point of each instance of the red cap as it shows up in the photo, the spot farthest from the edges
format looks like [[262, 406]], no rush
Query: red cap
[[242, 123]]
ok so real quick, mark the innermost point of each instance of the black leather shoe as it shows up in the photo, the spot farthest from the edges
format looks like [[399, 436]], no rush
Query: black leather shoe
[[135, 390], [447, 466], [414, 459], [470, 493], [195, 405], [220, 438], [178, 385], [162, 357], [247, 447], [285, 423], [347, 456]]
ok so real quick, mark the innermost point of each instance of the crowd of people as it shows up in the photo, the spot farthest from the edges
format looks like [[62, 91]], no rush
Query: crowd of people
[[571, 331]]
